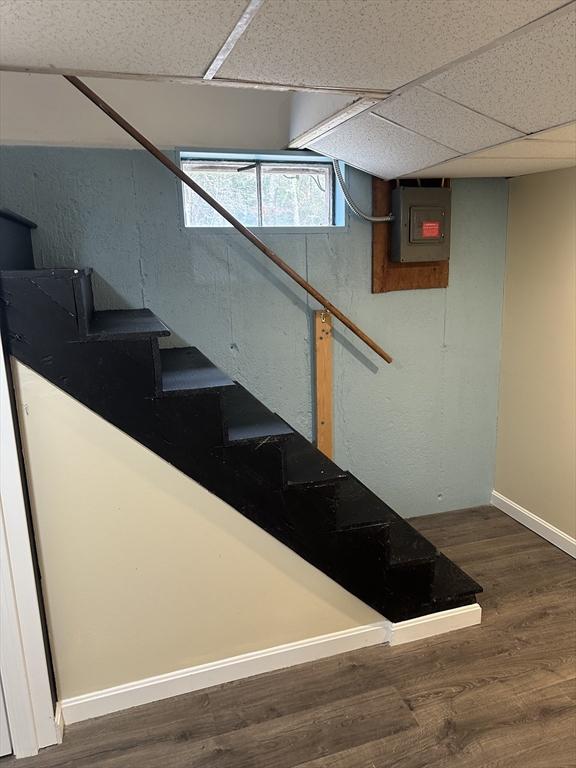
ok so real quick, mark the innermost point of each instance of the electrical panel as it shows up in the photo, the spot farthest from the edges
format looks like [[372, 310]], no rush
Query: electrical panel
[[421, 226]]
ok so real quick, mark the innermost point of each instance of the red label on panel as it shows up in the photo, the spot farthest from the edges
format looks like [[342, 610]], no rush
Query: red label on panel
[[431, 229]]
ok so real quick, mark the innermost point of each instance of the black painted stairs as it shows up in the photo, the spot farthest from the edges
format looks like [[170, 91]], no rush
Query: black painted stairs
[[179, 404]]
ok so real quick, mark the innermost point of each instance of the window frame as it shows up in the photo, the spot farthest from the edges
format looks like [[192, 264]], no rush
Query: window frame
[[305, 157]]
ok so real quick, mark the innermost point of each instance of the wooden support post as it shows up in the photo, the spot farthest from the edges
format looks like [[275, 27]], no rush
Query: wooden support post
[[324, 378]]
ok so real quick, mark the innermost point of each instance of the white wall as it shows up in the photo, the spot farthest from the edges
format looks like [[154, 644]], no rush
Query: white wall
[[536, 452], [47, 110], [144, 571]]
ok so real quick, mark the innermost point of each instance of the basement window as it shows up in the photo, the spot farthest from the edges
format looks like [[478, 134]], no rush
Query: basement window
[[286, 190]]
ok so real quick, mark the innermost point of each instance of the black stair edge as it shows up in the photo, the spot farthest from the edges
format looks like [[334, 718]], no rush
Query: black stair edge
[[58, 272], [272, 429], [6, 213], [360, 526], [125, 325], [247, 419], [186, 370]]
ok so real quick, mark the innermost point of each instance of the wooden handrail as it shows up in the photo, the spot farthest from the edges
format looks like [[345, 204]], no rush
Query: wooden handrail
[[248, 234]]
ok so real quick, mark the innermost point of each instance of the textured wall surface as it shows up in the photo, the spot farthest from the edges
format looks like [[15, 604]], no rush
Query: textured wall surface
[[421, 432]]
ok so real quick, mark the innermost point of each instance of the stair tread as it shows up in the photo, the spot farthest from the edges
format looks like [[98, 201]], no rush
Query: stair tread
[[246, 418], [186, 369], [125, 323], [306, 465]]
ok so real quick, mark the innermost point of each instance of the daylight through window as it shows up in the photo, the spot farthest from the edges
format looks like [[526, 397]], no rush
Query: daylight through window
[[261, 194]]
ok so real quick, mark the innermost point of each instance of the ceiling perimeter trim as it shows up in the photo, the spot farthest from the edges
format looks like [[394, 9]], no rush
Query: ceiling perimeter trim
[[335, 120], [239, 28], [192, 80]]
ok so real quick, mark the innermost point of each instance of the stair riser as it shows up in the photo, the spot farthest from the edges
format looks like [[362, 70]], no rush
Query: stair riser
[[313, 508], [157, 363], [265, 459], [261, 459], [192, 423], [247, 420], [24, 301], [360, 554], [414, 579], [70, 296]]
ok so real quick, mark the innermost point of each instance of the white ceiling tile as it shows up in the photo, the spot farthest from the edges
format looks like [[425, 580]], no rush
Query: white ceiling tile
[[532, 149], [528, 81], [563, 133], [369, 44], [464, 167], [444, 121], [379, 147], [169, 37]]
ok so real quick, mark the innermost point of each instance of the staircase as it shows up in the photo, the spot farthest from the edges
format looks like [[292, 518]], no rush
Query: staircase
[[177, 403]]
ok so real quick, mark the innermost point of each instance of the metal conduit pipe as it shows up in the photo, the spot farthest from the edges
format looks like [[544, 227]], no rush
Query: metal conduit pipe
[[351, 202]]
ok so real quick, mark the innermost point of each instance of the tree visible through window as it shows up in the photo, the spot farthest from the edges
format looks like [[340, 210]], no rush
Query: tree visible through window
[[261, 194]]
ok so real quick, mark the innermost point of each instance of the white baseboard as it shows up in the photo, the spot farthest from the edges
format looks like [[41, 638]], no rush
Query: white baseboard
[[223, 671], [238, 667], [59, 722], [434, 624], [541, 527]]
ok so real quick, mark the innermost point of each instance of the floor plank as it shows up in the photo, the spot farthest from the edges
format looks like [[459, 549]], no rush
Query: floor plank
[[502, 695]]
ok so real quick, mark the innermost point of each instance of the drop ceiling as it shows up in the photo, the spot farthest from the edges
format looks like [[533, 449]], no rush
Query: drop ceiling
[[526, 82], [380, 147], [375, 44], [444, 121], [484, 112], [165, 37], [546, 151], [428, 87]]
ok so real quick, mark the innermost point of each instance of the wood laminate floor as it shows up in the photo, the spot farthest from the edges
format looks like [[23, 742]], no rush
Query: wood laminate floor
[[502, 695]]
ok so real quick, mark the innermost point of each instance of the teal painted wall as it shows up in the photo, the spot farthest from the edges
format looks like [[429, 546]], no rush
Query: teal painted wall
[[421, 432]]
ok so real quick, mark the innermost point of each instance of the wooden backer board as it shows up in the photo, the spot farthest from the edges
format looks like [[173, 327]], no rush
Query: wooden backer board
[[388, 275], [324, 379]]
